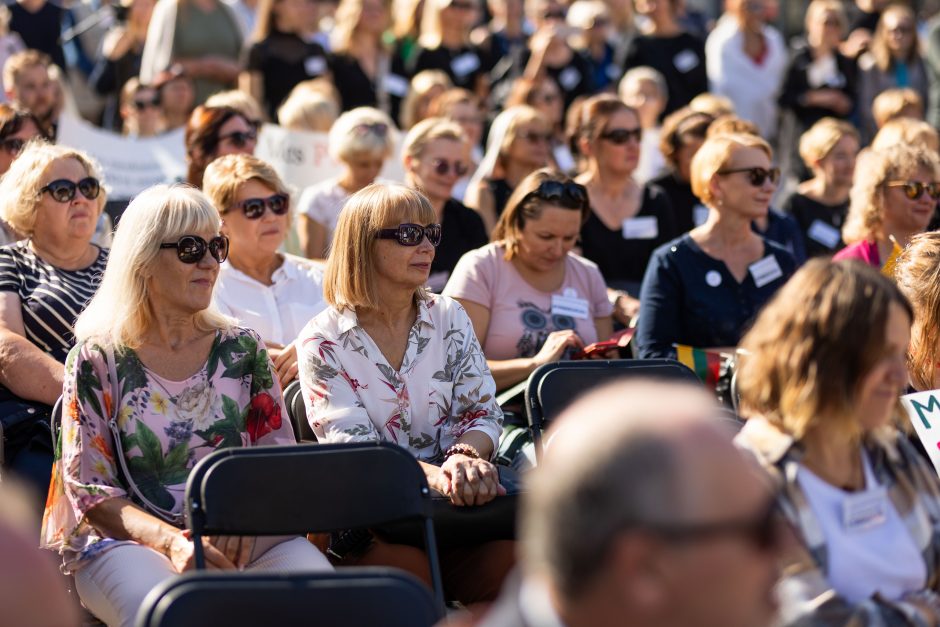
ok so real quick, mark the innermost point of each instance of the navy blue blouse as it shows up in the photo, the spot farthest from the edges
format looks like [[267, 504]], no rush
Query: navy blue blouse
[[691, 298]]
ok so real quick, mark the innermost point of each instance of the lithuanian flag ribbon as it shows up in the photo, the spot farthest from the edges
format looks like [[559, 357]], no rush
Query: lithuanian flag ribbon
[[706, 364]]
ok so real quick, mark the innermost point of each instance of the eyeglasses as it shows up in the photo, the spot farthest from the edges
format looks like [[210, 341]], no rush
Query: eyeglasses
[[240, 139], [192, 248], [756, 176], [570, 194], [253, 208], [621, 136], [914, 189], [443, 167], [379, 129], [535, 138], [412, 234], [142, 104], [762, 531], [13, 145], [63, 190]]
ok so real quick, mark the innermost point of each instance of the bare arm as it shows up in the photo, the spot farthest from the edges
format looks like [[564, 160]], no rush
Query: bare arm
[[25, 369], [312, 237], [604, 327], [251, 83]]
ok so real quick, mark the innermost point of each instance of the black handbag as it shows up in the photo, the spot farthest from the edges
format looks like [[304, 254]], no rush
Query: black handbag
[[25, 424]]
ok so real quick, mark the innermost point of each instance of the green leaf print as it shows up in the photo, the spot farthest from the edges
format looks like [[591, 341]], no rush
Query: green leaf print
[[130, 372], [244, 366], [224, 351], [228, 431], [87, 382], [261, 378], [150, 481]]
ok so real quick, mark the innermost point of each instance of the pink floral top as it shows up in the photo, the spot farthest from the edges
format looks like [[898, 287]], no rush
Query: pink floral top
[[442, 390], [165, 426]]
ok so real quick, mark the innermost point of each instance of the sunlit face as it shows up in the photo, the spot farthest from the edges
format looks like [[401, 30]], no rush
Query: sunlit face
[[294, 16], [880, 389], [531, 145], [177, 96], [547, 100], [734, 192], [644, 96], [824, 29], [428, 172], [545, 241], [35, 91], [229, 133], [263, 235], [901, 214], [143, 113], [174, 286], [899, 32], [407, 267], [363, 168], [618, 158], [838, 166], [470, 119], [77, 218], [8, 150], [374, 17]]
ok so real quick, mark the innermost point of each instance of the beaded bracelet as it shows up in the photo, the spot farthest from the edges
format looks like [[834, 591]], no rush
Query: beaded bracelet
[[462, 449]]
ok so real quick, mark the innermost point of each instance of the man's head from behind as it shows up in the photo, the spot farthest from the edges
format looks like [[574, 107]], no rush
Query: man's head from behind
[[28, 83], [643, 512]]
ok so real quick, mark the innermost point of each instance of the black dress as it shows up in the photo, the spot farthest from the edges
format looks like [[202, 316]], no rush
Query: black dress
[[283, 60], [820, 224], [501, 192], [681, 61], [686, 206], [461, 231], [355, 87]]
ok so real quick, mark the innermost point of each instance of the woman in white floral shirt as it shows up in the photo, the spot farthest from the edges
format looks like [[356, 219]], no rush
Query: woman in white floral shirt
[[157, 381], [389, 361]]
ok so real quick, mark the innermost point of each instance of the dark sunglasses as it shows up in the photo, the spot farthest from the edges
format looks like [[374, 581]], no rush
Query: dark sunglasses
[[412, 234], [762, 531], [13, 145], [570, 195], [443, 167], [253, 208], [192, 248], [535, 138], [240, 139], [462, 6], [756, 176], [622, 136], [555, 14], [914, 189], [379, 129], [142, 104], [63, 190]]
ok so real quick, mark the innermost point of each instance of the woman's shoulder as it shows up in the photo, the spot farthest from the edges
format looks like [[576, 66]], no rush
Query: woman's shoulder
[[491, 253], [306, 267], [679, 247]]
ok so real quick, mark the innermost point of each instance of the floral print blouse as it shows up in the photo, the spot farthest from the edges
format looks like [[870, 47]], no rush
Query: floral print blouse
[[165, 426], [442, 390]]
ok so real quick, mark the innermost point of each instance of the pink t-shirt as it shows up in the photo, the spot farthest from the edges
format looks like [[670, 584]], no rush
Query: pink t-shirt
[[864, 250], [521, 316]]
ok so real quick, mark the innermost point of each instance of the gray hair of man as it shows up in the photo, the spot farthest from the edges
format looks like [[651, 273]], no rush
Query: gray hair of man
[[612, 462]]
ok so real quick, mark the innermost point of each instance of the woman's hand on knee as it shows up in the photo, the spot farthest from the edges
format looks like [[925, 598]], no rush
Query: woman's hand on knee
[[471, 481], [180, 550]]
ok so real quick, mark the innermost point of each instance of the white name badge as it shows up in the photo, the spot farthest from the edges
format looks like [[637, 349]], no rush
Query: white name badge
[[395, 85], [824, 233], [641, 227], [569, 78], [765, 271], [685, 61], [568, 304], [865, 511], [315, 66], [699, 215], [465, 64]]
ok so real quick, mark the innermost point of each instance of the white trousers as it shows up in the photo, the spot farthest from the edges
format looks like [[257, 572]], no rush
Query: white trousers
[[113, 585]]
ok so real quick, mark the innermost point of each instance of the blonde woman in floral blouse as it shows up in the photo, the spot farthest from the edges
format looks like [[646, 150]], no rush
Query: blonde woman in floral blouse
[[157, 381], [388, 361]]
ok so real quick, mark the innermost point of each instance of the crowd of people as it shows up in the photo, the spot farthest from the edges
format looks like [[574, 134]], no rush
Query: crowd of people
[[572, 172]]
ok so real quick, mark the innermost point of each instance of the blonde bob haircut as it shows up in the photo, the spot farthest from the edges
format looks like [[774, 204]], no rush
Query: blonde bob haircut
[[19, 187], [349, 281], [812, 346], [225, 176], [917, 275], [873, 169], [351, 136], [907, 131], [896, 103], [817, 142], [426, 131], [119, 314], [716, 154]]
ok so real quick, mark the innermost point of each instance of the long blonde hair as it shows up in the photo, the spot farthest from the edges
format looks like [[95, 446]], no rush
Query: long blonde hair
[[917, 274]]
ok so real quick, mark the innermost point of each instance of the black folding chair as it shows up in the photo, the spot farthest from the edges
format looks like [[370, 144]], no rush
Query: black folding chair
[[297, 412], [377, 597], [283, 490], [552, 387]]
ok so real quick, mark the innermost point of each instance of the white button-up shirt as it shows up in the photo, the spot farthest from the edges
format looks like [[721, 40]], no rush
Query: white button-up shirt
[[278, 312]]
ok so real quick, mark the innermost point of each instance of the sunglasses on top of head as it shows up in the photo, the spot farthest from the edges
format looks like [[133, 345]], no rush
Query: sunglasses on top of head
[[192, 248], [412, 234], [253, 208], [756, 176], [914, 189], [63, 190], [569, 194], [240, 139]]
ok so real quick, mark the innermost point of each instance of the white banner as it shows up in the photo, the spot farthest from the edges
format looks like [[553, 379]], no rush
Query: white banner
[[923, 410]]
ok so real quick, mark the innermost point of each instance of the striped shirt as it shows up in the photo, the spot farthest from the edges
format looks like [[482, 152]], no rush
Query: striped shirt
[[51, 298]]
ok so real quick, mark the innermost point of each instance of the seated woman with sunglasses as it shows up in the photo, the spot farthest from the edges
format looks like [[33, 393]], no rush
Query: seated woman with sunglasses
[[628, 220], [16, 128], [702, 288], [213, 132], [52, 196], [436, 155], [893, 198], [819, 376], [158, 380], [532, 301], [275, 294], [388, 361]]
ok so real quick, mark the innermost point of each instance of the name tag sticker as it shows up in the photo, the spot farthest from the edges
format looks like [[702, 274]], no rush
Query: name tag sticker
[[824, 233], [685, 61], [315, 66], [569, 78], [395, 85], [641, 227], [765, 271], [465, 63], [569, 304], [865, 511], [699, 215]]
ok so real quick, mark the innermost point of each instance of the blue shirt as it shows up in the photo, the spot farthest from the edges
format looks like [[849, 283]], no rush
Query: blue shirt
[[691, 298], [784, 230]]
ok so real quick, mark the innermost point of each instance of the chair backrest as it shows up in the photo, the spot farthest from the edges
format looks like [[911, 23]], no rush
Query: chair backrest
[[552, 387], [297, 412], [377, 597]]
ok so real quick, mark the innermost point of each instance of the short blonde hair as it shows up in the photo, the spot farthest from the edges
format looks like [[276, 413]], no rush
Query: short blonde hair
[[730, 124], [712, 104], [119, 315], [422, 85], [908, 131], [714, 155], [816, 7], [19, 187], [240, 101], [426, 131], [817, 142], [349, 281], [640, 74], [346, 140], [22, 61], [891, 104], [308, 111], [225, 176], [814, 343], [873, 169]]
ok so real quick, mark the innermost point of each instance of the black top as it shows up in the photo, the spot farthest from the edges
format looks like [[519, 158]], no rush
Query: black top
[[681, 199], [41, 30], [283, 60], [623, 253], [691, 298], [463, 65], [783, 230], [575, 78], [501, 192], [820, 224], [51, 298], [355, 87], [681, 61], [462, 230], [796, 84]]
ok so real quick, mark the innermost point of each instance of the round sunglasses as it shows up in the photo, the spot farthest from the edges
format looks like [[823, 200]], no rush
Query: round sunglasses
[[756, 176], [914, 189], [412, 234], [192, 248], [443, 167], [253, 208], [63, 190], [240, 139]]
